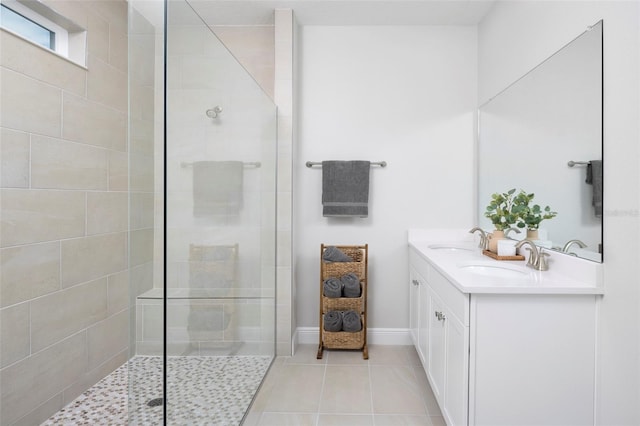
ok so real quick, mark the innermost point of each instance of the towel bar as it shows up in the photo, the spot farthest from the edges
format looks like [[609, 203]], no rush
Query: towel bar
[[373, 163]]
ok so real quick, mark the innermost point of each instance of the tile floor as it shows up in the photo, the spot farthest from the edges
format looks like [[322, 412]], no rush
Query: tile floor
[[390, 388], [214, 390]]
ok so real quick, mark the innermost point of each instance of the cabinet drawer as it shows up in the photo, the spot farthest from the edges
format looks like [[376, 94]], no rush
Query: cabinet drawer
[[456, 301]]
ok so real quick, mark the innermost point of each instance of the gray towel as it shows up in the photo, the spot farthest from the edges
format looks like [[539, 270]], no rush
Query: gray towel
[[332, 287], [594, 177], [351, 321], [334, 254], [350, 285], [217, 187], [345, 188], [333, 321]]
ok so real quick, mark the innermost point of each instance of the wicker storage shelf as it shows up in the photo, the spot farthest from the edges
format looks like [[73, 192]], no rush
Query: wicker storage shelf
[[359, 266], [344, 339], [344, 303]]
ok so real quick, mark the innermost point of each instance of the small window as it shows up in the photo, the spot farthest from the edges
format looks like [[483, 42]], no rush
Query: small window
[[37, 23], [12, 20]]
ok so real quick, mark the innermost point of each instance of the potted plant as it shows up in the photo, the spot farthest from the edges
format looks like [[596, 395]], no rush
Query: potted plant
[[533, 215], [505, 211]]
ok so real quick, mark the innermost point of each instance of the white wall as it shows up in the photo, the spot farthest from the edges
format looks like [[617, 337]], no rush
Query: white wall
[[406, 95], [515, 37]]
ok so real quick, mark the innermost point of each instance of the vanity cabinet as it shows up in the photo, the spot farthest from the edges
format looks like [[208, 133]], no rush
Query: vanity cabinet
[[499, 358], [439, 322]]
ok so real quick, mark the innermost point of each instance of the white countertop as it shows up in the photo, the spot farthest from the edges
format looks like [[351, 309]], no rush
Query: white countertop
[[456, 255]]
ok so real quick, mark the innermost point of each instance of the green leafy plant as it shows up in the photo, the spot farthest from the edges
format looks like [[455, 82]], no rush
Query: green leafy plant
[[532, 215], [506, 209]]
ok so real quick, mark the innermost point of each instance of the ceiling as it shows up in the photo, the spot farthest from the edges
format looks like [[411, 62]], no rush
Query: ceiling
[[332, 12]]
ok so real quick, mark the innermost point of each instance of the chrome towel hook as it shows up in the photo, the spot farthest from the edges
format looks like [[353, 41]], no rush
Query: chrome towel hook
[[213, 113]]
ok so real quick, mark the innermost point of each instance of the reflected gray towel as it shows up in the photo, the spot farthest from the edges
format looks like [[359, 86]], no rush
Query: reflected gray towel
[[333, 321], [332, 287], [594, 177], [351, 321], [345, 188], [217, 187], [350, 285], [334, 254]]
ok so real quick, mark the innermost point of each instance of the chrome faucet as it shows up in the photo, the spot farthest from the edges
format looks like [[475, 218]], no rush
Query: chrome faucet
[[484, 240], [506, 232], [567, 246], [537, 259]]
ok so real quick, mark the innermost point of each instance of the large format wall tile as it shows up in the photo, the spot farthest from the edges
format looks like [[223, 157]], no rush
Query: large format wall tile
[[40, 215], [40, 64], [108, 338], [106, 212], [93, 123], [98, 43], [28, 272], [14, 154], [20, 112], [107, 85], [118, 171], [33, 381], [75, 309], [141, 246], [141, 168], [67, 165], [14, 334], [85, 259], [118, 292], [142, 205]]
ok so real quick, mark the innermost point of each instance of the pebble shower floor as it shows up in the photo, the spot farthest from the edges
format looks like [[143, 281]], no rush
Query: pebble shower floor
[[212, 390]]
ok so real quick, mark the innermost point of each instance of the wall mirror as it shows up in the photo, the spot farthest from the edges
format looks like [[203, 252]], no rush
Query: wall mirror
[[543, 134]]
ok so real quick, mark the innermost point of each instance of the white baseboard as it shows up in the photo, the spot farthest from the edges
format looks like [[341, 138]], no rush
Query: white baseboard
[[375, 336]]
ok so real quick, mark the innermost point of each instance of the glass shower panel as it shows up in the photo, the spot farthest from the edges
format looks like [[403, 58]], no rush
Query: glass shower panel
[[145, 176], [202, 185], [220, 170]]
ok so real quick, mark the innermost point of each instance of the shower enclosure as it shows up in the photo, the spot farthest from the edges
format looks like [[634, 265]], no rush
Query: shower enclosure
[[202, 238]]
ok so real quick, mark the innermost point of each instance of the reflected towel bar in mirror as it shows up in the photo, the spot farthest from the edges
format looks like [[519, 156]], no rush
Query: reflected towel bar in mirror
[[577, 163], [373, 163]]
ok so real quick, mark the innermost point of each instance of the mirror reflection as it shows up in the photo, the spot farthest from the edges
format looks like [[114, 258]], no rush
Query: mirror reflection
[[543, 135]]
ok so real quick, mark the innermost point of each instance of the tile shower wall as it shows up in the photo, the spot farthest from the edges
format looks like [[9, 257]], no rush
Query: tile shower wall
[[64, 281]]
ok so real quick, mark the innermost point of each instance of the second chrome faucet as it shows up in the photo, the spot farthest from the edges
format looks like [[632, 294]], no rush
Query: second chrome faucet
[[537, 257]]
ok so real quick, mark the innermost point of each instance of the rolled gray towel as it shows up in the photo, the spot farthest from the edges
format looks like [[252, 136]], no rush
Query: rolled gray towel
[[333, 321], [334, 254], [332, 287], [350, 285], [351, 321]]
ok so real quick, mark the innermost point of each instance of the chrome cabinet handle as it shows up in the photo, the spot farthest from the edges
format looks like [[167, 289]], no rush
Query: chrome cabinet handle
[[441, 316]]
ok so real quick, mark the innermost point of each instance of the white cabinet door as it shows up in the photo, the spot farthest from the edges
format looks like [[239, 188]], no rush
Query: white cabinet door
[[437, 345], [456, 392], [414, 306], [423, 325]]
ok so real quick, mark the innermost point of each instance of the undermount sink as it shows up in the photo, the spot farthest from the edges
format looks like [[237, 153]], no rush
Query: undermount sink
[[452, 247], [493, 270]]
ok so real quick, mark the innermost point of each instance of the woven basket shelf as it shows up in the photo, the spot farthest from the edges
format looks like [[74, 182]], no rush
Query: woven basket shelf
[[359, 267], [344, 303], [344, 339]]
